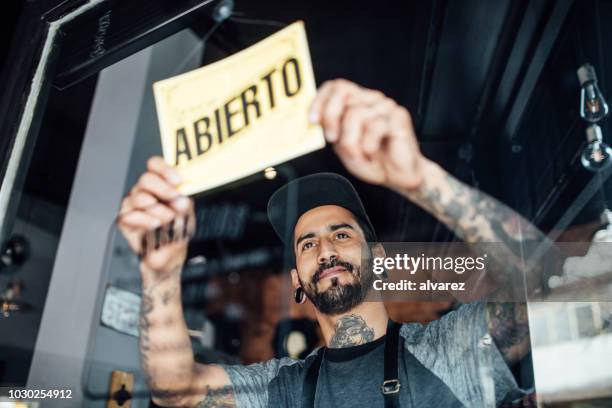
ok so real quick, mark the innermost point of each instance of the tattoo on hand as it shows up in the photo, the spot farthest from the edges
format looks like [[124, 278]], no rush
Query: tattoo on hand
[[350, 331]]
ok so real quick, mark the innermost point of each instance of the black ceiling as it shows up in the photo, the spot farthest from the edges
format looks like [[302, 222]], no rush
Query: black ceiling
[[491, 85]]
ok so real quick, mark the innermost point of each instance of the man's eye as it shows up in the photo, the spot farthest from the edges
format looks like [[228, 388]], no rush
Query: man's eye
[[342, 235], [307, 245]]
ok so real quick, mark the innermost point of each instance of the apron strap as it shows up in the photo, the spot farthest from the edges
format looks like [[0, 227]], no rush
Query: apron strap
[[391, 385], [309, 388], [389, 388]]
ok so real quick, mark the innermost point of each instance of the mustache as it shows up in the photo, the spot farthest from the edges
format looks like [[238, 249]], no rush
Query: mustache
[[334, 262]]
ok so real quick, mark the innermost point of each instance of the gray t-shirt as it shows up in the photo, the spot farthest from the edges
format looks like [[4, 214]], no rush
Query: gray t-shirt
[[451, 359]]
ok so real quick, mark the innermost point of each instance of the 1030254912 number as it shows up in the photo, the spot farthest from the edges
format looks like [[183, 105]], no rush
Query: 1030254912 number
[[39, 394]]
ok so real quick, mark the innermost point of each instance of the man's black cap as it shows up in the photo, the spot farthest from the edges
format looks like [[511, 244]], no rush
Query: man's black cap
[[295, 198]]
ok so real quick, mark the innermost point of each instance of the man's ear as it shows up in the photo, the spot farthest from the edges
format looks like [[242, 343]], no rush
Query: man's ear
[[295, 281], [378, 251]]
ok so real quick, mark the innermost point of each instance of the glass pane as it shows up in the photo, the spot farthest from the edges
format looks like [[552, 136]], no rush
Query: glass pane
[[495, 102]]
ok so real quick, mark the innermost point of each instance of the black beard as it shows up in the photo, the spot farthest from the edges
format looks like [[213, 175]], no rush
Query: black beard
[[338, 298]]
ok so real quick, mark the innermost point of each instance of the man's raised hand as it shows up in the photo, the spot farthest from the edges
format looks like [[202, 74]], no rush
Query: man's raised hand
[[373, 136], [156, 220]]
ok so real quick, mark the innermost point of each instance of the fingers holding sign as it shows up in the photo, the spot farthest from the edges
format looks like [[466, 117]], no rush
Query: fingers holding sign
[[156, 219], [373, 136]]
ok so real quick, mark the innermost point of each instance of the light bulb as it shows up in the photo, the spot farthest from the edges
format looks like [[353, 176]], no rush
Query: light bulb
[[270, 173], [593, 106], [596, 156]]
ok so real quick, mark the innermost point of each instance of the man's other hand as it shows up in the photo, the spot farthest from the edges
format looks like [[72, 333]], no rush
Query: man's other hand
[[373, 136], [157, 220]]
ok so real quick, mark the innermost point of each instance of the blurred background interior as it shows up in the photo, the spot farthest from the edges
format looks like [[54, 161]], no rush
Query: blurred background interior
[[495, 96]]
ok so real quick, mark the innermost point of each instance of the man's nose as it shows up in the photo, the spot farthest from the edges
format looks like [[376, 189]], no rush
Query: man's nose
[[327, 252]]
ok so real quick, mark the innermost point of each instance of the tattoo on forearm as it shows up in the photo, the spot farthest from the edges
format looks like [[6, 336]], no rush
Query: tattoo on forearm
[[146, 308], [218, 398], [350, 331], [169, 294], [509, 328], [170, 347], [476, 217], [153, 299], [172, 398]]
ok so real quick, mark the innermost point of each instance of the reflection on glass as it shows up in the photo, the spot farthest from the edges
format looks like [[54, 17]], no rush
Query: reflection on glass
[[597, 155], [571, 338], [584, 319]]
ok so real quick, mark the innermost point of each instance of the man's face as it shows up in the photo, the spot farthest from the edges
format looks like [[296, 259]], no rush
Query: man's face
[[327, 244]]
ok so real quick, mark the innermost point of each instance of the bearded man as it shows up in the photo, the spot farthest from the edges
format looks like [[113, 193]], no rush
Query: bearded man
[[461, 360]]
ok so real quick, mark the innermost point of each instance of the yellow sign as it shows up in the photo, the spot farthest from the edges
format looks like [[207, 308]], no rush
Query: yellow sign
[[237, 116]]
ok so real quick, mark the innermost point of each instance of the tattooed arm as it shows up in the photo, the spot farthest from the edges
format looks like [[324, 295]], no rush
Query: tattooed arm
[[166, 354], [375, 139], [157, 222], [476, 217]]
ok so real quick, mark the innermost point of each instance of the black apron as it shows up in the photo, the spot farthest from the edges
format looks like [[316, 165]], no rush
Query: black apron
[[422, 381]]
